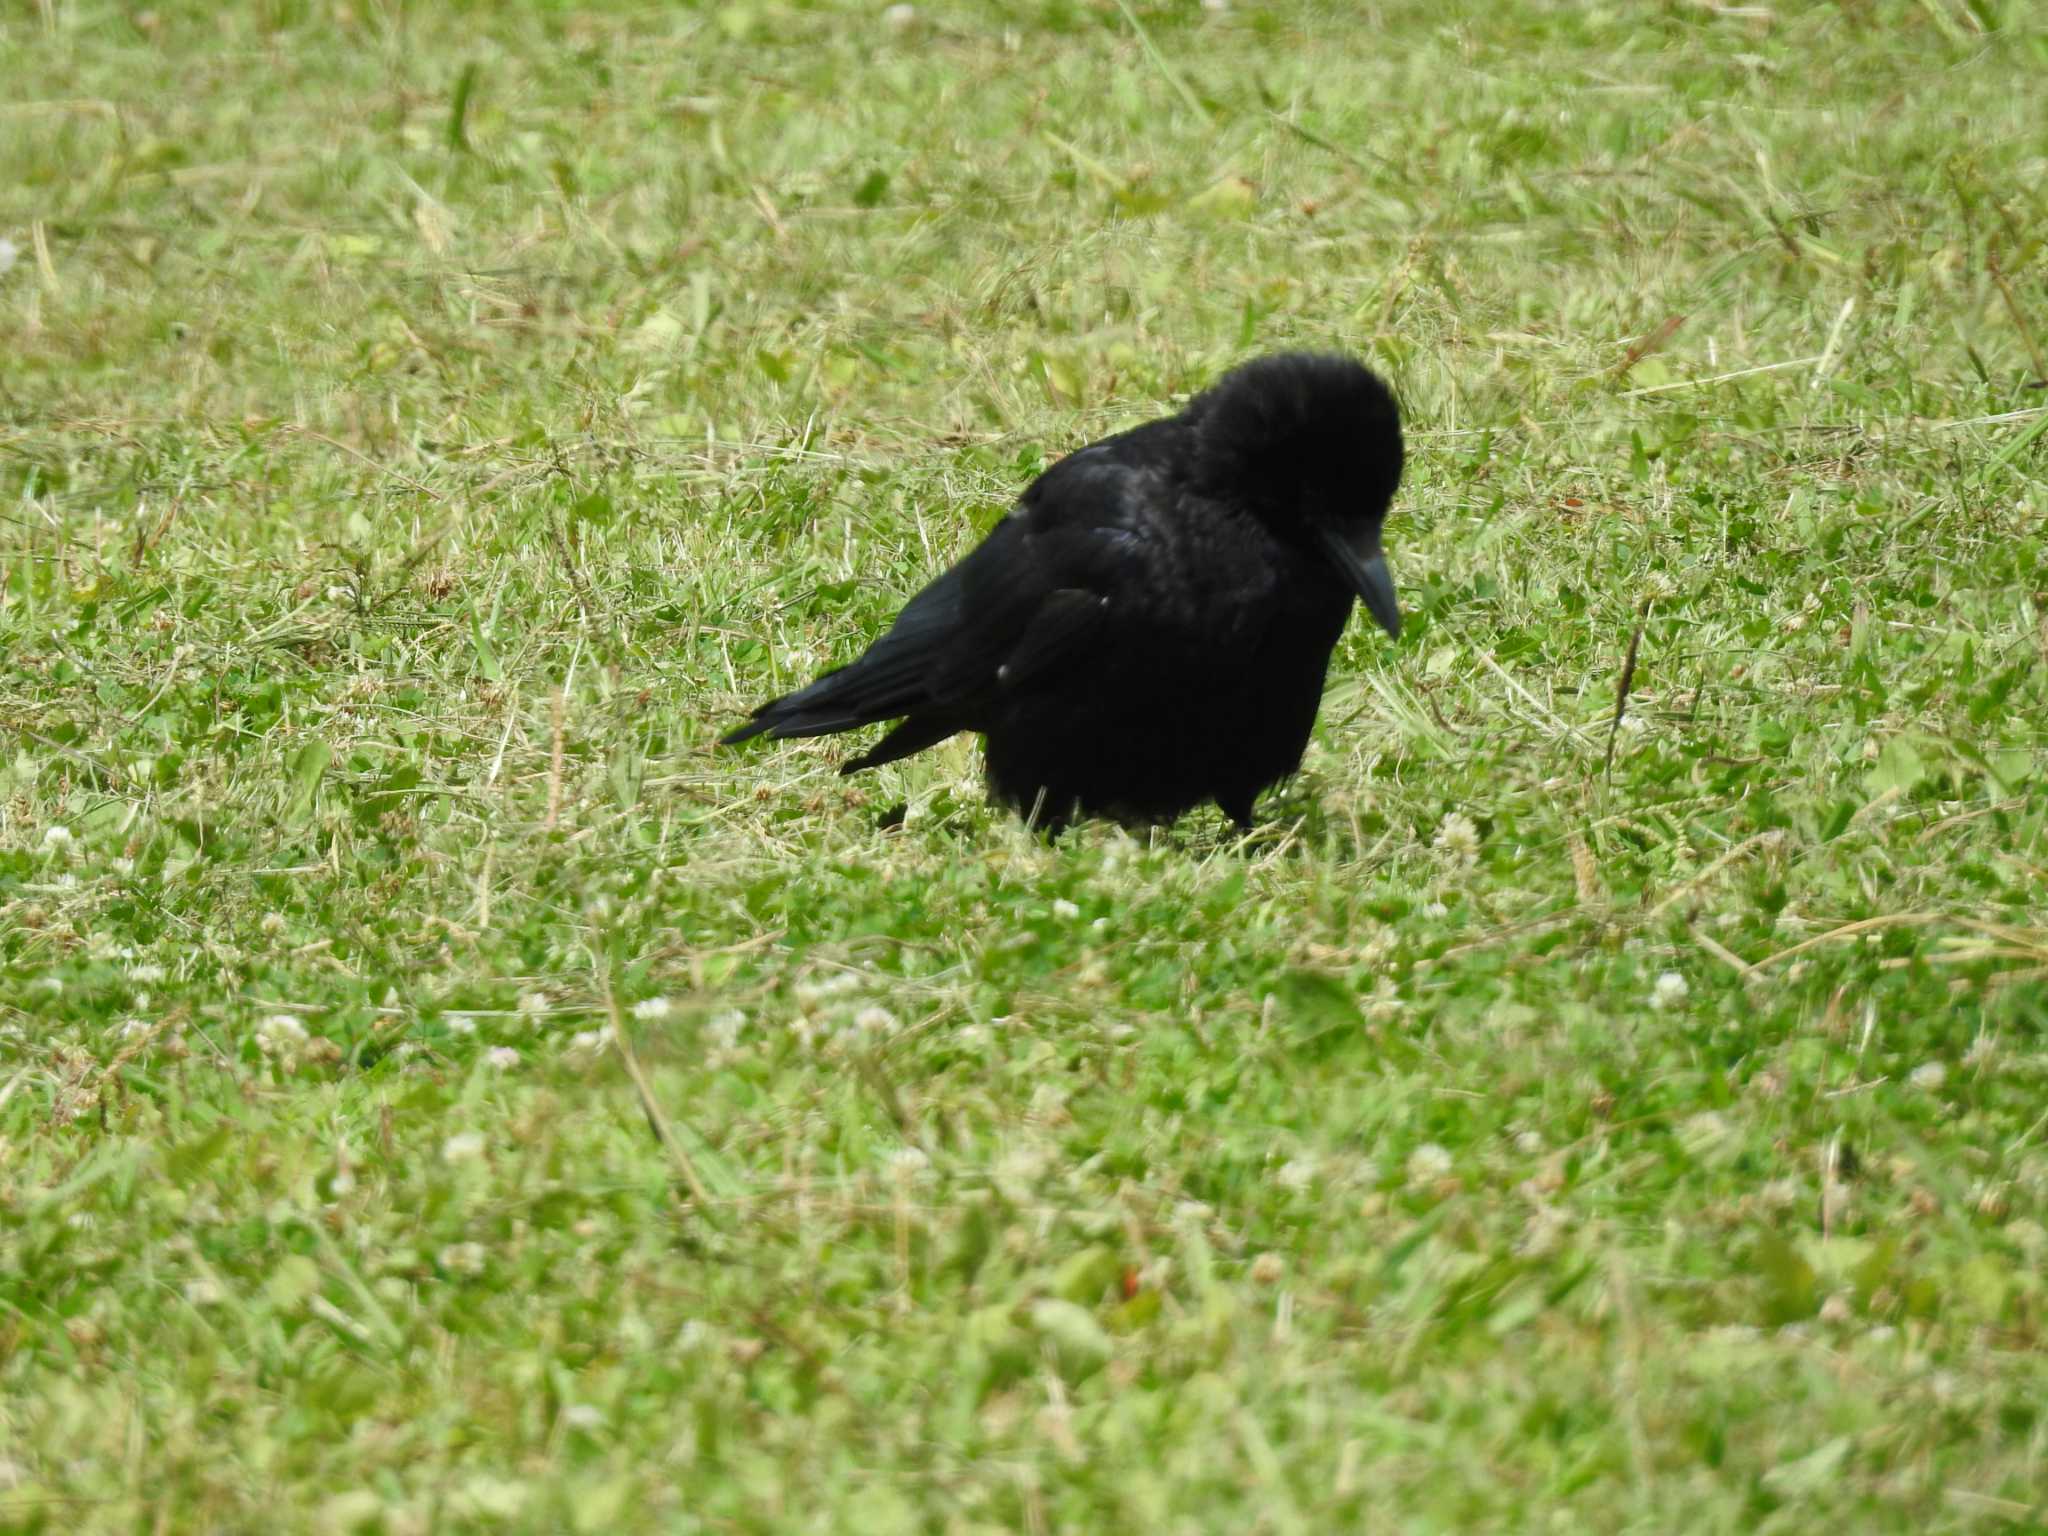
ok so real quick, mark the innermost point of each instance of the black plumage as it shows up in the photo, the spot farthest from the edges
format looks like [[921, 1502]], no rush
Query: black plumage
[[1150, 627]]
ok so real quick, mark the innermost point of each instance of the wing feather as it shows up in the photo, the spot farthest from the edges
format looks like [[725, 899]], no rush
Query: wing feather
[[1030, 600]]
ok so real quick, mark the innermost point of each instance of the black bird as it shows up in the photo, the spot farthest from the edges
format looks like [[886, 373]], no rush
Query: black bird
[[1149, 628]]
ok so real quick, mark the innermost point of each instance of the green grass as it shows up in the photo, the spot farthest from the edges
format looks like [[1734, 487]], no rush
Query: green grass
[[422, 429]]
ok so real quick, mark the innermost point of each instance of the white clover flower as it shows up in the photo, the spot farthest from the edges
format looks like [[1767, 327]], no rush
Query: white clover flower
[[1529, 1143], [460, 1024], [651, 1010], [583, 1416], [272, 924], [464, 1147], [1428, 1163], [899, 17], [1670, 991], [1929, 1076], [1296, 1174], [204, 1291], [1065, 910], [147, 974], [1701, 1133], [1794, 623], [1433, 910], [907, 1163], [532, 1005], [503, 1057], [463, 1258], [586, 1045], [1385, 1001], [723, 1029], [835, 985], [874, 1020], [135, 1029], [1458, 837], [58, 843], [1019, 1169], [281, 1035], [1543, 1233], [1049, 1105]]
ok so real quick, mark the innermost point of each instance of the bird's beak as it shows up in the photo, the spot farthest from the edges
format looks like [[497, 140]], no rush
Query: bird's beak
[[1367, 575]]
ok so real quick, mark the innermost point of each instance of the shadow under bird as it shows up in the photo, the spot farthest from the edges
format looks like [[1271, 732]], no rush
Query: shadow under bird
[[1151, 625]]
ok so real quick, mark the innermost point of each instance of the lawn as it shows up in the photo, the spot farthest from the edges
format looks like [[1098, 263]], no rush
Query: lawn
[[441, 1091]]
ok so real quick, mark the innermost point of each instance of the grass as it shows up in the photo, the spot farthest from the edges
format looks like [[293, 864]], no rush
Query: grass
[[441, 1092]]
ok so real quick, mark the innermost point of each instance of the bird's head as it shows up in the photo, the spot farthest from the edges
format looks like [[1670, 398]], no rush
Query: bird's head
[[1310, 444]]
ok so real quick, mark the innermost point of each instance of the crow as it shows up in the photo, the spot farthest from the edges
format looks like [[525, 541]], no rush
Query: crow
[[1149, 628]]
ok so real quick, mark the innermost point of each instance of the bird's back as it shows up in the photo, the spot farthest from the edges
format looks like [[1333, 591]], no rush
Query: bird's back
[[1203, 678]]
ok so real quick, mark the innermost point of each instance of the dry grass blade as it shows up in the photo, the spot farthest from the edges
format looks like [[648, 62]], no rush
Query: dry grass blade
[[1718, 378], [1722, 953], [1832, 349], [1166, 71], [1767, 839], [2031, 941], [1543, 715], [657, 1119], [363, 458], [1622, 686], [1646, 344], [2019, 318], [557, 715], [1585, 870]]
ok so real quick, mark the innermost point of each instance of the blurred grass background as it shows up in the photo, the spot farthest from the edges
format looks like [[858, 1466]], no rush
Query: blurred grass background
[[438, 1092]]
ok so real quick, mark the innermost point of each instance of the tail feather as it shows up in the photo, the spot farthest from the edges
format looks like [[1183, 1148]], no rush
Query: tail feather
[[872, 689], [913, 735], [910, 671]]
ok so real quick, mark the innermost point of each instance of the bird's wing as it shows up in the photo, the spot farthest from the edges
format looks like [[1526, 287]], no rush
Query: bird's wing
[[1022, 605]]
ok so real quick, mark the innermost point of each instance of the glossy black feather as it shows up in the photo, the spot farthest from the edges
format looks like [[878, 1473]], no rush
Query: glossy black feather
[[1150, 627]]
